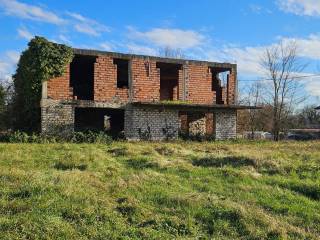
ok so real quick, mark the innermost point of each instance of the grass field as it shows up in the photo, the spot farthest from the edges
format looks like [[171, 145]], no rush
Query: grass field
[[181, 190]]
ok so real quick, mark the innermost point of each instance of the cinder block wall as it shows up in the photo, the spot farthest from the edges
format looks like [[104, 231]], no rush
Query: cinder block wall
[[151, 124], [57, 118], [226, 124]]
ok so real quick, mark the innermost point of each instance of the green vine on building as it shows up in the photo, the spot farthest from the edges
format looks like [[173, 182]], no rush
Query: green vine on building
[[41, 61]]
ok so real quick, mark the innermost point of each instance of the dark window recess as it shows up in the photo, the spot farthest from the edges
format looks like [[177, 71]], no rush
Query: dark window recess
[[122, 72], [169, 80], [82, 76], [99, 119], [217, 85]]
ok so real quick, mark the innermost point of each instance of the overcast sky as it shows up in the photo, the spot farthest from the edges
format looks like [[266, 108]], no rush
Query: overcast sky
[[230, 30]]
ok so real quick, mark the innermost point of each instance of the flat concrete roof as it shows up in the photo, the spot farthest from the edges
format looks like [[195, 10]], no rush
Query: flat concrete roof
[[89, 52], [192, 106]]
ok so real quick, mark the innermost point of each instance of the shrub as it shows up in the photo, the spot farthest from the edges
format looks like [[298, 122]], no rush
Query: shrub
[[197, 137], [18, 137], [91, 137], [75, 137], [41, 61]]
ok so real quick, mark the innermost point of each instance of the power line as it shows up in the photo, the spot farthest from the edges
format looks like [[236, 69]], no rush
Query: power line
[[270, 79]]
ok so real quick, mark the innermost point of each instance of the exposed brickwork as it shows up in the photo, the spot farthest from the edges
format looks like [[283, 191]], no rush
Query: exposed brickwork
[[200, 85], [210, 124], [183, 79], [194, 85], [183, 118], [145, 80], [59, 88], [231, 88], [105, 81]]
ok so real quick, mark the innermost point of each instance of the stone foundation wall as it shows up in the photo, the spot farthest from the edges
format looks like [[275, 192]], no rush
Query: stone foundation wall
[[226, 124], [57, 118], [151, 124]]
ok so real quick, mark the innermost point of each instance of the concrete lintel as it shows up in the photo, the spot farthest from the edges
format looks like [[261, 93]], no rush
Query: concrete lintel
[[81, 103], [91, 52]]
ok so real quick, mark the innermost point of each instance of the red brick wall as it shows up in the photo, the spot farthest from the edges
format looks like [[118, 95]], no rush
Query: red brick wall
[[200, 84], [231, 88], [105, 81], [181, 86], [145, 80], [146, 83], [184, 127], [59, 88], [210, 124]]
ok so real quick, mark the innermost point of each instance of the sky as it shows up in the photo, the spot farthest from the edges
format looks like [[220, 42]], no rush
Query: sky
[[225, 31]]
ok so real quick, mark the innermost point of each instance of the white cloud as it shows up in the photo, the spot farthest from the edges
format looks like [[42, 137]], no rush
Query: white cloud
[[106, 46], [255, 8], [307, 47], [24, 33], [248, 58], [64, 39], [13, 56], [8, 64], [27, 11], [313, 87], [88, 26], [140, 49], [166, 37], [4, 67], [300, 7]]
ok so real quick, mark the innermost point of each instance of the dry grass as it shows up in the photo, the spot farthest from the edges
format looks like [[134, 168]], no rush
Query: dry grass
[[181, 190]]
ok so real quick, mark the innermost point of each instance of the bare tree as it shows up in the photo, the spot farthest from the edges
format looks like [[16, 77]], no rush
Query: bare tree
[[282, 66], [171, 52], [254, 99]]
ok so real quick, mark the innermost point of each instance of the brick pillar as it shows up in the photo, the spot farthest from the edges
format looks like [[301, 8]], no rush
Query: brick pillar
[[175, 93], [183, 83], [210, 124]]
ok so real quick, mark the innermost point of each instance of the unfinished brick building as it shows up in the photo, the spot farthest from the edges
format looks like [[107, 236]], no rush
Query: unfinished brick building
[[144, 97]]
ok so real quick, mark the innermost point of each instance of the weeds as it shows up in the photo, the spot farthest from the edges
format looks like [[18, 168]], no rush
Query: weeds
[[176, 190]]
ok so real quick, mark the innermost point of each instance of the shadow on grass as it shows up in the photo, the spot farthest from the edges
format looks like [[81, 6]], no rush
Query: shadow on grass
[[117, 152], [70, 166], [233, 161], [141, 163], [308, 190], [22, 194], [219, 219], [164, 150]]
